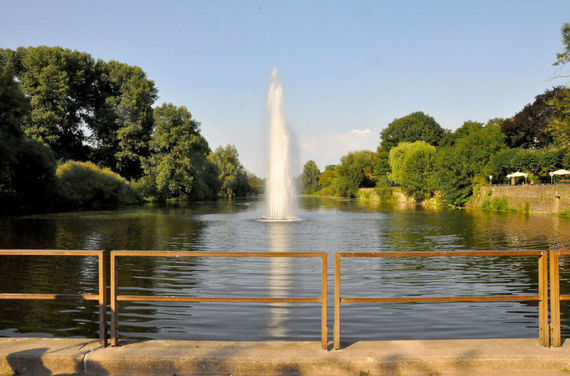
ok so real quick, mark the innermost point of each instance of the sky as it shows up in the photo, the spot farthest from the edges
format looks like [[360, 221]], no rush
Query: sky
[[348, 68]]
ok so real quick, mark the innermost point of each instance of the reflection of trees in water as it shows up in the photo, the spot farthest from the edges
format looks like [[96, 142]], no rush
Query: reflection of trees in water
[[516, 231], [165, 229]]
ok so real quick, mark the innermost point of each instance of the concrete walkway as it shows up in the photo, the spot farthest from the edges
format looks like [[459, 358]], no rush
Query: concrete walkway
[[37, 356]]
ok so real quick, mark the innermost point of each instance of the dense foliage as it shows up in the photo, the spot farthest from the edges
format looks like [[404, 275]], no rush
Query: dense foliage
[[84, 185], [416, 126], [310, 178], [411, 165], [231, 173], [62, 105], [420, 157]]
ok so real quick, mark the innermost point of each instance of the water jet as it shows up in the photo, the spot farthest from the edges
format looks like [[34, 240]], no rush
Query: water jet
[[280, 189]]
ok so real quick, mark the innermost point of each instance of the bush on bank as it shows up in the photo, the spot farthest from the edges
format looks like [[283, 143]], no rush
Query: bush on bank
[[84, 185]]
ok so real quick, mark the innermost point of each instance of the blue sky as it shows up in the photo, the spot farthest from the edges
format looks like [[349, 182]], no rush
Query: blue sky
[[348, 67]]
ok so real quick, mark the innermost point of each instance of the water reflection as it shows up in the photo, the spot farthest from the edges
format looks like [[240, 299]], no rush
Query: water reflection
[[330, 226], [278, 278]]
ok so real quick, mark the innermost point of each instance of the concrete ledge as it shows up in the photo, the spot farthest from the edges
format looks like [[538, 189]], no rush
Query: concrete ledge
[[41, 356]]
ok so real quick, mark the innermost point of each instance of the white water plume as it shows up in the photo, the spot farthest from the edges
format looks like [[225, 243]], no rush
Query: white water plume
[[280, 189]]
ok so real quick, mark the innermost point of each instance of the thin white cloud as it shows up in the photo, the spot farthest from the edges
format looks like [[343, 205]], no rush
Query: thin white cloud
[[360, 131]]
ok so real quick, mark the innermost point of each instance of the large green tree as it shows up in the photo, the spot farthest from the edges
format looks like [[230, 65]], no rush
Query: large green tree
[[86, 110], [61, 86], [231, 174], [14, 107], [310, 177], [356, 170], [416, 126], [458, 167], [27, 167], [123, 121], [178, 164], [412, 165], [381, 164]]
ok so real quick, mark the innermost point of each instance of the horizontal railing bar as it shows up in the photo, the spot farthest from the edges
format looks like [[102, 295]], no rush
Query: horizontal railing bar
[[215, 254], [142, 298], [50, 252], [505, 298], [564, 252], [440, 253], [564, 297], [49, 296]]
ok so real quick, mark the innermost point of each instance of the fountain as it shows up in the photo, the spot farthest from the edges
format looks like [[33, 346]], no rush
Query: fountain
[[279, 189]]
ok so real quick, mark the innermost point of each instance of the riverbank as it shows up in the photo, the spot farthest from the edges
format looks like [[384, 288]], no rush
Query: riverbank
[[395, 196], [45, 356], [530, 199], [536, 199]]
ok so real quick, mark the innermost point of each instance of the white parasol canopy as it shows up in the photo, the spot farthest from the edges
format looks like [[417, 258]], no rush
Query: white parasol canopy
[[559, 172], [517, 174]]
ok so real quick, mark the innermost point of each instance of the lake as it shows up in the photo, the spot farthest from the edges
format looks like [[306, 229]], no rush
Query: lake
[[327, 225]]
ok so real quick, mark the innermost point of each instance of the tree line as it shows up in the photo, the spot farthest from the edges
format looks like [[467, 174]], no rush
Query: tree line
[[418, 155], [66, 119]]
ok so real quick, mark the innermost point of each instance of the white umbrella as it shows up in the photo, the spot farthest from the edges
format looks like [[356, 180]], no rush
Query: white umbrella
[[558, 172], [517, 174]]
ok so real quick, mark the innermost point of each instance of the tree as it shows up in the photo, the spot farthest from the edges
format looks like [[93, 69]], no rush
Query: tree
[[381, 164], [123, 120], [529, 129], [416, 126], [231, 174], [355, 171], [60, 84], [458, 166], [84, 109], [560, 123], [34, 176], [327, 180], [177, 165], [14, 106], [311, 175], [255, 185], [412, 164]]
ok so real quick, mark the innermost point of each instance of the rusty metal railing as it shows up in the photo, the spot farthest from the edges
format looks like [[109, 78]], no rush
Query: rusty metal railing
[[541, 297], [115, 298], [555, 297], [101, 297]]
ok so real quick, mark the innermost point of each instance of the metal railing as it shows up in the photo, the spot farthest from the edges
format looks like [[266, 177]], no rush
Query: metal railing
[[555, 297], [101, 297], [115, 298], [541, 297]]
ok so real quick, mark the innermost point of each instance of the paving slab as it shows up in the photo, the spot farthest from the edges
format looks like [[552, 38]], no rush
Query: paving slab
[[32, 356]]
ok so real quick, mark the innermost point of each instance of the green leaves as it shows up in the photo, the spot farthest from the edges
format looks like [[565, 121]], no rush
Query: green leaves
[[177, 164], [310, 177], [412, 165], [231, 174], [416, 126]]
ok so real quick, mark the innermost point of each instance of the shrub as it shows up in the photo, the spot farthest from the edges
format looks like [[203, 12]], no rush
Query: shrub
[[84, 185], [33, 177]]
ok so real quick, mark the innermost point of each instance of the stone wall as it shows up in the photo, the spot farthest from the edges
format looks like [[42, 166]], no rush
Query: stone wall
[[549, 199]]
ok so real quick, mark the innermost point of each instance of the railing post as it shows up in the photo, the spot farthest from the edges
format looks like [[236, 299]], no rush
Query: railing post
[[102, 298], [336, 344], [114, 313], [543, 332], [555, 338], [324, 293]]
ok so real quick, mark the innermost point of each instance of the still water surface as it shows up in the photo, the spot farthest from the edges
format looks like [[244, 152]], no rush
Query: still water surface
[[328, 226]]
